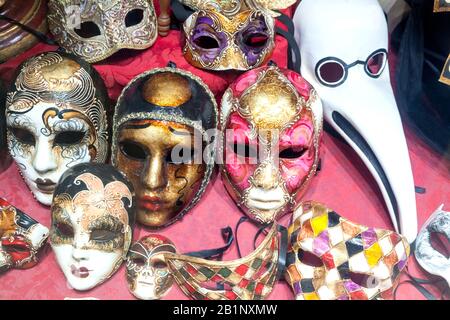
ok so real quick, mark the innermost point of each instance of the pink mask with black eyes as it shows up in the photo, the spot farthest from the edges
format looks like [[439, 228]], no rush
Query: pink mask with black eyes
[[272, 124]]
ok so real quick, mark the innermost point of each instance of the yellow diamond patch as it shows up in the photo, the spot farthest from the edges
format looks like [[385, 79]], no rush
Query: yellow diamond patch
[[373, 254], [319, 224]]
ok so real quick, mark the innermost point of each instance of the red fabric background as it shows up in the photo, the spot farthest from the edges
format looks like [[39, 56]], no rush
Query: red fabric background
[[344, 184]]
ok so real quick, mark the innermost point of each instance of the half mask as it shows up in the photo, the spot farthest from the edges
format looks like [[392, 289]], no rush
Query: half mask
[[163, 140], [21, 238], [344, 56], [94, 30], [93, 215], [332, 258], [432, 260], [148, 274], [224, 35], [271, 125], [56, 118]]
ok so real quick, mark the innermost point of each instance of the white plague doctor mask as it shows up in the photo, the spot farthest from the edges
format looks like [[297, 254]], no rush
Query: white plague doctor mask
[[343, 45]]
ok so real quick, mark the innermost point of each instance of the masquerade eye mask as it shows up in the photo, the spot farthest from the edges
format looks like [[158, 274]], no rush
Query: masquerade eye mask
[[344, 56], [432, 260], [94, 30], [21, 238], [223, 35], [332, 258], [56, 118], [271, 126], [92, 219], [163, 142]]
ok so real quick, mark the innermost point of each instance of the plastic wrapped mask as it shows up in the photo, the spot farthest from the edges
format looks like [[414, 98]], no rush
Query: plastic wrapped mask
[[55, 114], [272, 124], [332, 258], [21, 238], [250, 278], [94, 30], [345, 57], [93, 215], [223, 35], [163, 124], [432, 260], [148, 274]]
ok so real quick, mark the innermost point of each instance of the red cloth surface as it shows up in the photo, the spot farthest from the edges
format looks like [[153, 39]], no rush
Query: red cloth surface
[[344, 184]]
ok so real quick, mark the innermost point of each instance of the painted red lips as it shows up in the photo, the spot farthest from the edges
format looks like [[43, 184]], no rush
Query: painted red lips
[[151, 203], [46, 186], [81, 272]]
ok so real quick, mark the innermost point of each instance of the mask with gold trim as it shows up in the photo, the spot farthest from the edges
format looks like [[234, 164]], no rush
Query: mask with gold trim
[[224, 35], [93, 215], [94, 30], [56, 118], [271, 123], [21, 238], [332, 258], [163, 142], [148, 274]]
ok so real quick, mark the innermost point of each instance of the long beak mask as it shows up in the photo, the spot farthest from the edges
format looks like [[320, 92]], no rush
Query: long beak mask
[[343, 46]]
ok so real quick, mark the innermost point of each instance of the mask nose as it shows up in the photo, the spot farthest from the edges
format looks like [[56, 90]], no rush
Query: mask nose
[[233, 59], [266, 176], [78, 254], [44, 160], [148, 272], [155, 175]]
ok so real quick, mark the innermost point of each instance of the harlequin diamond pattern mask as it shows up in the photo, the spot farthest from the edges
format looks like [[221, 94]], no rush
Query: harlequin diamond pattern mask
[[223, 35], [332, 258], [94, 30], [271, 123], [56, 118], [21, 238]]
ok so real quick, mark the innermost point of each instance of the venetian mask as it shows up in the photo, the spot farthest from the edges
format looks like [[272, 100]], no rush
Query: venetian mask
[[5, 159], [272, 124], [223, 35], [250, 278], [148, 274], [332, 258], [163, 142], [431, 259], [21, 238], [92, 219], [345, 57], [94, 30], [56, 118]]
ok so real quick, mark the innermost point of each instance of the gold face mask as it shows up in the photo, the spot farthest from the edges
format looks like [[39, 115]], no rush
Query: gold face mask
[[332, 258], [94, 30]]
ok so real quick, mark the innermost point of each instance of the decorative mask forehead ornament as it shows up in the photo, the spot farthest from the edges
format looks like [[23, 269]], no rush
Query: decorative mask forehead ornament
[[332, 258], [224, 35], [344, 56], [56, 118], [163, 140], [250, 278], [93, 215], [148, 274], [428, 257], [272, 125], [94, 30], [21, 238]]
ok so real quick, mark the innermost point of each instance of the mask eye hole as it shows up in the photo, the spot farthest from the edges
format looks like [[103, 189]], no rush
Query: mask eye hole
[[68, 138], [331, 72], [24, 136], [133, 151], [364, 280], [309, 259], [159, 264], [88, 29], [15, 248], [375, 63], [206, 42], [134, 17], [64, 230], [440, 243], [245, 150], [102, 235], [292, 153], [140, 262], [256, 40]]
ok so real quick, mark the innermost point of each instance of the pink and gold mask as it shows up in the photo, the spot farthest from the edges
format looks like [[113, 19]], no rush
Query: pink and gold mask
[[272, 124], [332, 258]]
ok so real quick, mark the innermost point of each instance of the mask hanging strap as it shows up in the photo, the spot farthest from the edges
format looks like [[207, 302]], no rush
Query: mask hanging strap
[[227, 234], [181, 14], [282, 253], [294, 58], [41, 36]]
